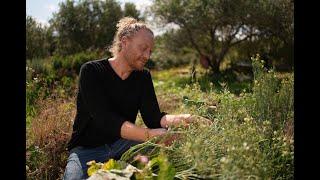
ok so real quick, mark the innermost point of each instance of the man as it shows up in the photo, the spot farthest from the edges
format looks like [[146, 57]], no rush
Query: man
[[110, 94]]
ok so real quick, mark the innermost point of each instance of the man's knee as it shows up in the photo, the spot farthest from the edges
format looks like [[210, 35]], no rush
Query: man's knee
[[73, 169]]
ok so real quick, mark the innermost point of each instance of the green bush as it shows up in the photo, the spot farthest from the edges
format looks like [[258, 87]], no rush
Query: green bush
[[81, 58], [70, 65], [39, 66], [34, 91], [165, 59], [57, 62], [274, 96]]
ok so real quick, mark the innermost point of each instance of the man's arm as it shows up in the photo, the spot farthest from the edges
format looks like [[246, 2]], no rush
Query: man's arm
[[132, 132], [173, 120], [149, 107]]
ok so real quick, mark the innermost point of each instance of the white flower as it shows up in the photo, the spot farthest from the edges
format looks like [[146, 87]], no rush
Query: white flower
[[223, 160], [284, 153]]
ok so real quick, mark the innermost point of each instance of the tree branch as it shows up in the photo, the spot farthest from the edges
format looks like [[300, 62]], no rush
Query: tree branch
[[244, 39], [192, 40], [213, 37]]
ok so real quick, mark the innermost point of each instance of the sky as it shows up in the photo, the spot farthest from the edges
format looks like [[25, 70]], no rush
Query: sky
[[42, 10]]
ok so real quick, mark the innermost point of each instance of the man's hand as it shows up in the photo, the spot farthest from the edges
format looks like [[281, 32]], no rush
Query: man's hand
[[168, 140], [198, 119], [183, 119], [156, 132]]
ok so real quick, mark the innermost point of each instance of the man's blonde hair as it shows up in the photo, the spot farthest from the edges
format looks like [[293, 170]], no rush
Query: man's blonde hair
[[126, 27]]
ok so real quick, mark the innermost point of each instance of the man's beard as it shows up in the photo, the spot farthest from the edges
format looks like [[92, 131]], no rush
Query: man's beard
[[133, 62]]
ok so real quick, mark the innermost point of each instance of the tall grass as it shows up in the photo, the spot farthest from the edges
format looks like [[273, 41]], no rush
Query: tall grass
[[47, 138], [248, 138]]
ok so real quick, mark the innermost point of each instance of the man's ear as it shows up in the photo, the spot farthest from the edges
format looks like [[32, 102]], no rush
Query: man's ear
[[124, 41]]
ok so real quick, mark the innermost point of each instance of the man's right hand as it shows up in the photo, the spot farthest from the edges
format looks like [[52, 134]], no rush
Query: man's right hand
[[156, 132], [166, 140]]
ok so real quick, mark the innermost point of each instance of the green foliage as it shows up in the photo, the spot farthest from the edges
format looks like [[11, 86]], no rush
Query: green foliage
[[33, 92], [37, 39], [39, 66], [34, 156], [274, 96], [165, 56], [86, 25], [131, 11], [166, 170], [70, 65], [211, 27]]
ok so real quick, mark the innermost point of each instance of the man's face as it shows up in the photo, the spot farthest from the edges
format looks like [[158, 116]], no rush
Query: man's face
[[137, 50]]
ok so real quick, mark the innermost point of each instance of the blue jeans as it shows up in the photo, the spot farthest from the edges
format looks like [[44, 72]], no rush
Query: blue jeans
[[79, 156]]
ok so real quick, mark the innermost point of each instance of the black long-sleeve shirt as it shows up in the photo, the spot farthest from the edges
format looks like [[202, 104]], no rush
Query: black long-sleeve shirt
[[105, 101]]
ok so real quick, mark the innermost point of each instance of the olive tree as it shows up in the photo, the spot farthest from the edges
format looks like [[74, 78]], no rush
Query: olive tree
[[212, 27]]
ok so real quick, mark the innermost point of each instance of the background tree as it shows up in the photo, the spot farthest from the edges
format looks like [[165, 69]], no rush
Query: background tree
[[212, 27], [130, 10], [37, 37], [85, 25]]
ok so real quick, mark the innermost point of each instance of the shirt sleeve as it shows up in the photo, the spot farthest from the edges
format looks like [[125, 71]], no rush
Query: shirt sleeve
[[149, 109], [103, 122]]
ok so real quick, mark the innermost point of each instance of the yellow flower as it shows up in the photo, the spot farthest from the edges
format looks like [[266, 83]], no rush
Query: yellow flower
[[111, 164]]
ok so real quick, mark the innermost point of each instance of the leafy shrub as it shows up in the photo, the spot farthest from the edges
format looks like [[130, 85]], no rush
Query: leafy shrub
[[42, 86], [38, 66], [274, 96], [81, 58], [70, 65], [34, 91]]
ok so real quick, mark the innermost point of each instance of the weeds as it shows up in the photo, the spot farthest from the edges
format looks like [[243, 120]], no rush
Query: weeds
[[251, 135], [47, 138]]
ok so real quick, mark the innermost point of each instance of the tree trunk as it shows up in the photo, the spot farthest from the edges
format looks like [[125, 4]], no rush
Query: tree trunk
[[215, 66]]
